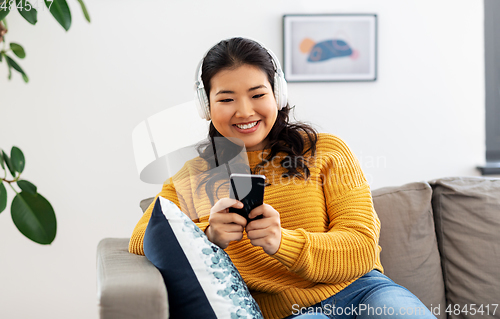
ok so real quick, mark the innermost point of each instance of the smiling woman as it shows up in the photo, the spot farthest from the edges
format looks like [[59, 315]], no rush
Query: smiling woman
[[313, 243], [242, 105]]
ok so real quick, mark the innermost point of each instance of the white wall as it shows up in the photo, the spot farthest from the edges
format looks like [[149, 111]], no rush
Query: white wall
[[422, 119]]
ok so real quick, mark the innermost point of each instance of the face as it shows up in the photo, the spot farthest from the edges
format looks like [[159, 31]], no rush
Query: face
[[242, 105]]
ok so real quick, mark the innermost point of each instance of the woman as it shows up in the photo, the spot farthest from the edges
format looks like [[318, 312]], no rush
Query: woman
[[315, 247]]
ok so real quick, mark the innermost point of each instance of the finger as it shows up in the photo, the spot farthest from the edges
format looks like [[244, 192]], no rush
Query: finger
[[269, 239], [233, 228], [225, 217], [257, 211], [257, 224], [224, 203], [238, 219], [257, 234], [265, 210]]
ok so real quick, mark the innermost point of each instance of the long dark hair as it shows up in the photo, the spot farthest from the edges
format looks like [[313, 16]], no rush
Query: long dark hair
[[293, 139]]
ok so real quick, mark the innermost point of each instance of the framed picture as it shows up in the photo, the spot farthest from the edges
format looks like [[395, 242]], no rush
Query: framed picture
[[330, 47]]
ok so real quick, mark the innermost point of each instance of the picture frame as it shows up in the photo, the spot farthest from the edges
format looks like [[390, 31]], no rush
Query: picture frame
[[330, 47]]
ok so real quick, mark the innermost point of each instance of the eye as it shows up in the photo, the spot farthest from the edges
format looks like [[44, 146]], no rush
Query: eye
[[258, 96], [226, 100]]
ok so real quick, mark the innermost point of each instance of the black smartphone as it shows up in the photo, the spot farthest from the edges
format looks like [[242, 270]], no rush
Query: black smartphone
[[248, 189]]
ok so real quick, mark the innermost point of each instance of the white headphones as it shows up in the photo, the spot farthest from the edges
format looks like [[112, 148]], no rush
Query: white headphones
[[280, 87]]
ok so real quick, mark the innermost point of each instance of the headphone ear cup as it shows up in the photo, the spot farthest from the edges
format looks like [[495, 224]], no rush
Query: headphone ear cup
[[280, 89], [277, 91], [202, 103]]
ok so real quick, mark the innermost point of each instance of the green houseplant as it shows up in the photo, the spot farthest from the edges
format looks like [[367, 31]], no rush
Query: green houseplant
[[29, 11], [32, 214]]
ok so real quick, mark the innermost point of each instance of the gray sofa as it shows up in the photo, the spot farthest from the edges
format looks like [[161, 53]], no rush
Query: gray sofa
[[440, 239]]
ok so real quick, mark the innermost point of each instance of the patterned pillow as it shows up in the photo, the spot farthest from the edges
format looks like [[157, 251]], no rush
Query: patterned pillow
[[201, 280]]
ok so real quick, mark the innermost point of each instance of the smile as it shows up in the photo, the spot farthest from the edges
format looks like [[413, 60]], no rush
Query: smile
[[246, 126]]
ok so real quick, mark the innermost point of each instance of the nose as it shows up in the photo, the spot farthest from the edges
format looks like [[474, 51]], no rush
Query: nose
[[244, 109]]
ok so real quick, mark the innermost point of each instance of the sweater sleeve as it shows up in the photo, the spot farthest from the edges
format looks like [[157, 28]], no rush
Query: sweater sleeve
[[349, 248], [169, 192]]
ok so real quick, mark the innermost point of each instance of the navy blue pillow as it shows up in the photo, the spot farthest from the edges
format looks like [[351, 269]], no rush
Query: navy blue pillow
[[201, 280]]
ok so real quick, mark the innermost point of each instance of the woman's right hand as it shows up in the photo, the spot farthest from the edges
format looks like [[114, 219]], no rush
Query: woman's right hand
[[225, 227]]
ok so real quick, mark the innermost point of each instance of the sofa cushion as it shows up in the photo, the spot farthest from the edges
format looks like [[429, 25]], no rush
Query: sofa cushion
[[467, 215], [204, 281], [410, 253]]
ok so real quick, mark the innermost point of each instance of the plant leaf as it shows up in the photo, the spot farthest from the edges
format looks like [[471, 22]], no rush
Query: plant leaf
[[4, 9], [16, 67], [34, 217], [18, 50], [26, 186], [84, 9], [3, 197], [1, 159], [9, 67], [60, 11], [27, 11], [17, 159], [9, 164]]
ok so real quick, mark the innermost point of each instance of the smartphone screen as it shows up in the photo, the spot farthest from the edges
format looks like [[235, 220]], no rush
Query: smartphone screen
[[248, 189]]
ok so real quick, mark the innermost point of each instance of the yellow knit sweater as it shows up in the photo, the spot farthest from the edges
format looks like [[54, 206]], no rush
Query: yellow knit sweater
[[330, 230]]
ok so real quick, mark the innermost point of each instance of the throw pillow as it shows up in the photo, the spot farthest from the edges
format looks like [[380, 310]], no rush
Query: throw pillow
[[410, 253], [201, 280], [467, 215]]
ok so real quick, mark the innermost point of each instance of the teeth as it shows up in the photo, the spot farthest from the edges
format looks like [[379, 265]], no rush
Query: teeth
[[246, 126]]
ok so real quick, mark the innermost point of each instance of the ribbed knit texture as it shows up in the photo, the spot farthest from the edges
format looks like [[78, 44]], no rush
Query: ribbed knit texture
[[330, 230]]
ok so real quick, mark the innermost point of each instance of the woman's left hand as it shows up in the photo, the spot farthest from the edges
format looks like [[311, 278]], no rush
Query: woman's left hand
[[265, 232]]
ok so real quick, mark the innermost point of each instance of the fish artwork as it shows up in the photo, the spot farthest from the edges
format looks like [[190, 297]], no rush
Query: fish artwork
[[328, 49]]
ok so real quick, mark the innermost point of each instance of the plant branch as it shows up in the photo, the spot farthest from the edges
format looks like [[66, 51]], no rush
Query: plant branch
[[12, 181], [3, 31], [13, 188]]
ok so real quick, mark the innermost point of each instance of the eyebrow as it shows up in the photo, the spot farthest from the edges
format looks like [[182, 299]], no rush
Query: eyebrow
[[249, 90]]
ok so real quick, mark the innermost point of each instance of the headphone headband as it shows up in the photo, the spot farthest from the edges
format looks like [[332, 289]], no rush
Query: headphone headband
[[280, 85]]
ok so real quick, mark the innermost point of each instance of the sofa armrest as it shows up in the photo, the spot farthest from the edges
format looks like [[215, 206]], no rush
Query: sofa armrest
[[128, 285]]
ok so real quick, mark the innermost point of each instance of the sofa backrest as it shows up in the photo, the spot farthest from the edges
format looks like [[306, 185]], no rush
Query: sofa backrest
[[441, 240], [410, 255], [467, 219]]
